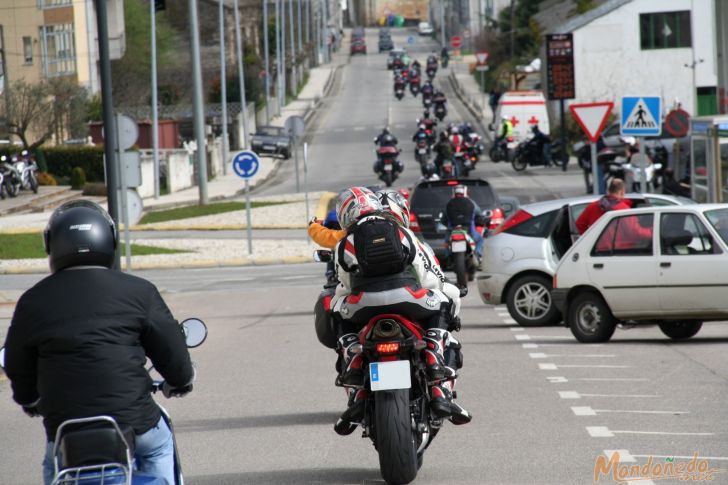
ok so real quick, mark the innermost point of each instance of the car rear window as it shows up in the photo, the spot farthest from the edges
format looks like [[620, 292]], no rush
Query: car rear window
[[534, 227], [435, 197]]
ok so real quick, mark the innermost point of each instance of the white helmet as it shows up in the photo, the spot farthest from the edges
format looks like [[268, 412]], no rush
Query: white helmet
[[460, 191], [354, 203], [629, 140], [394, 203]]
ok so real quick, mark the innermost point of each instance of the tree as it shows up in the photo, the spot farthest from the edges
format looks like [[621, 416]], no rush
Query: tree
[[132, 73], [26, 108], [70, 105]]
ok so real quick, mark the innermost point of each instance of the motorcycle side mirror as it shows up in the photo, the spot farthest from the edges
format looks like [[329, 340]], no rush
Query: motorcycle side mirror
[[463, 291], [2, 357], [195, 332], [322, 256]]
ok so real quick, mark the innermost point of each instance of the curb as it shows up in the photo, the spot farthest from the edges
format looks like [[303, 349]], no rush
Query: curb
[[215, 227], [323, 206], [477, 115], [206, 263]]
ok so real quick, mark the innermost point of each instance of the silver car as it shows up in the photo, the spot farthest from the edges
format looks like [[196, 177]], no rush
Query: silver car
[[520, 256]]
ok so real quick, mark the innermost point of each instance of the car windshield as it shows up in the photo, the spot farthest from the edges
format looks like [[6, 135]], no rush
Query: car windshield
[[436, 197], [270, 131], [718, 218]]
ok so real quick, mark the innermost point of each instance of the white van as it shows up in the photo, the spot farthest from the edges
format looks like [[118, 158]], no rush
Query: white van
[[525, 109]]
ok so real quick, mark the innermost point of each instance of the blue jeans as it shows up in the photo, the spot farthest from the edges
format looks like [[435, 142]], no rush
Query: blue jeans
[[154, 454]]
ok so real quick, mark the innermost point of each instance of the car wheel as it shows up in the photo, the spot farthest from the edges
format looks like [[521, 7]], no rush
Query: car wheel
[[529, 302], [286, 155], [590, 319], [681, 330]]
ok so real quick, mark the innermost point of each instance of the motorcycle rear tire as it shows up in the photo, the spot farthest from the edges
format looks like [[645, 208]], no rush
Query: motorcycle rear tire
[[519, 164], [396, 442], [460, 270], [388, 179], [494, 155], [12, 188]]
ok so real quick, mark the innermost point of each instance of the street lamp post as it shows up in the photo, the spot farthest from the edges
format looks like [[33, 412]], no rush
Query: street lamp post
[[198, 103], [266, 85], [241, 76], [223, 89]]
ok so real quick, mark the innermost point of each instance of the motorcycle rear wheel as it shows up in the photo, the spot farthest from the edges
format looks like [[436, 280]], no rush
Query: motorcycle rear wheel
[[396, 441], [33, 183], [11, 188], [494, 155], [460, 270], [388, 179]]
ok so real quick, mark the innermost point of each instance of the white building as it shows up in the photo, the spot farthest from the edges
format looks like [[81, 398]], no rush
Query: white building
[[647, 47]]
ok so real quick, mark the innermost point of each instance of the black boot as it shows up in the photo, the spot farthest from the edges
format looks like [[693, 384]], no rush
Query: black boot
[[444, 406], [347, 423], [437, 370], [352, 373]]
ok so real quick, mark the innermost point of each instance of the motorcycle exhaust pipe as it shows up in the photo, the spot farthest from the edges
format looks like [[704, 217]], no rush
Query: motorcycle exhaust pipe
[[387, 329]]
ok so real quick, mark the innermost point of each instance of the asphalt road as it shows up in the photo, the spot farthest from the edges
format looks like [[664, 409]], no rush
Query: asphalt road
[[545, 406]]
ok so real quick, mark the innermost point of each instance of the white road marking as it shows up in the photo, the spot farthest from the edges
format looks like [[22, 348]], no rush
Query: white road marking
[[627, 379], [570, 344], [509, 321], [530, 346], [537, 355], [589, 411], [578, 395], [665, 433], [548, 337], [715, 458], [624, 455], [516, 329], [522, 336], [596, 366], [588, 356], [557, 379], [547, 366], [599, 432], [299, 277], [359, 128], [503, 314]]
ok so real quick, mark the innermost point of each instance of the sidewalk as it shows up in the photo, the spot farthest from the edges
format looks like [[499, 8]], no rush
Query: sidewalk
[[215, 252]]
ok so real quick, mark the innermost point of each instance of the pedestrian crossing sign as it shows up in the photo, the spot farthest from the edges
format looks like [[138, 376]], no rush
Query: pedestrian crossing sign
[[641, 115]]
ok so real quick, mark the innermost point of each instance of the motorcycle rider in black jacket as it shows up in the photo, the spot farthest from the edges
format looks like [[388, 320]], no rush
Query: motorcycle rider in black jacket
[[79, 339]]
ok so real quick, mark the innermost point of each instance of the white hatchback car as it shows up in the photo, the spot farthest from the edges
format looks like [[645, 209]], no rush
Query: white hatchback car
[[520, 256], [424, 28], [658, 265]]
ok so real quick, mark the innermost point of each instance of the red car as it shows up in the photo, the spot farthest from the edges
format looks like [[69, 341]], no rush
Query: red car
[[358, 47]]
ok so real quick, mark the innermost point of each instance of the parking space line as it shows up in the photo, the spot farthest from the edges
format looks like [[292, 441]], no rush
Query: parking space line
[[557, 379], [530, 346], [553, 366], [677, 457], [522, 336], [624, 455], [599, 432], [578, 395], [589, 411], [541, 355]]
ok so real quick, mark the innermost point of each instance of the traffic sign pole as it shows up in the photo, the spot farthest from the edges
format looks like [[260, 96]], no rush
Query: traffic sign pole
[[248, 216], [245, 165], [643, 166]]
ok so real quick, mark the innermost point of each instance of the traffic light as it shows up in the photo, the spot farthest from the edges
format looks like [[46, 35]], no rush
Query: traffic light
[[160, 5]]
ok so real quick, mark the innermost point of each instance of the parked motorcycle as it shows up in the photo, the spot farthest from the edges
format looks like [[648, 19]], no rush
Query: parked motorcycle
[[387, 166], [11, 175], [98, 451], [27, 169], [440, 111], [502, 151], [397, 416]]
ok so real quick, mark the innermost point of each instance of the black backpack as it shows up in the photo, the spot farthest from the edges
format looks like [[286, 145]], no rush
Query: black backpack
[[379, 248]]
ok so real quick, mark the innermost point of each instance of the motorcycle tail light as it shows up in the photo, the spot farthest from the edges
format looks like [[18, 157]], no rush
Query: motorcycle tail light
[[509, 139], [458, 237], [496, 219], [513, 221], [414, 224], [388, 347], [452, 182]]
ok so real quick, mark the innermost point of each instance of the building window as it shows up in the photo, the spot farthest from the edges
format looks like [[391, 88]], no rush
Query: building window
[[58, 49], [28, 50], [665, 30], [53, 3]]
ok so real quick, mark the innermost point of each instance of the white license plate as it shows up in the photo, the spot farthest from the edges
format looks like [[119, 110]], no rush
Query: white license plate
[[269, 147], [387, 168], [384, 376], [422, 151], [459, 246]]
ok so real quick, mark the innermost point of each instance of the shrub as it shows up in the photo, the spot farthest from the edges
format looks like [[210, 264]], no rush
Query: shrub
[[62, 160], [78, 178], [44, 178], [95, 188]]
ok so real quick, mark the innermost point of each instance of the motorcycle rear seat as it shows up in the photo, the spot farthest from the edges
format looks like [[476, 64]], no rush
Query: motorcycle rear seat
[[94, 445]]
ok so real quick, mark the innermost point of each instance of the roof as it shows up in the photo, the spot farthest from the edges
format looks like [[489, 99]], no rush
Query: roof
[[576, 23]]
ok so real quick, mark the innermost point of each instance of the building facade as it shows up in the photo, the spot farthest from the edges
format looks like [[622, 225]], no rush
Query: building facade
[[660, 48]]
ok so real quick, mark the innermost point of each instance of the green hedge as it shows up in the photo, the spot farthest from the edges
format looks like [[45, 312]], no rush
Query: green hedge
[[62, 160]]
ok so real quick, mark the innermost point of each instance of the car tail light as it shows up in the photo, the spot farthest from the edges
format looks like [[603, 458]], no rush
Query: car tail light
[[414, 224], [452, 182], [458, 237], [388, 348], [496, 219], [513, 221]]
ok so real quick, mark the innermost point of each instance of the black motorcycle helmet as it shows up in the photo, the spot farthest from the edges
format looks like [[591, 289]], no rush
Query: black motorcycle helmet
[[80, 233]]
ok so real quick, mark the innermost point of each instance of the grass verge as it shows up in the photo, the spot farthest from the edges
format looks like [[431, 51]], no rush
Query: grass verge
[[200, 210], [30, 246]]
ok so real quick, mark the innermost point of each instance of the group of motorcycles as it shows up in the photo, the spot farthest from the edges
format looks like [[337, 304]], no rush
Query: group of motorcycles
[[411, 75], [17, 172]]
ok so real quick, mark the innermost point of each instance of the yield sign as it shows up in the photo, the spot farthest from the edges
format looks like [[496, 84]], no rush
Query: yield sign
[[592, 117], [482, 57]]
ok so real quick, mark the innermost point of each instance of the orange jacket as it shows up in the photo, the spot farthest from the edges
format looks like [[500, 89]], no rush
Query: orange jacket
[[325, 237]]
